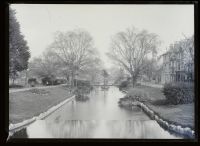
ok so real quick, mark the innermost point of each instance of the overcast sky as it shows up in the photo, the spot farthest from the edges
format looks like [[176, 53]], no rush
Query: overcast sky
[[39, 22]]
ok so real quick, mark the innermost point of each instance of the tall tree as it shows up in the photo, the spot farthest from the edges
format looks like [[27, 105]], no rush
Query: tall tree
[[18, 50], [183, 52], [187, 45], [47, 65], [130, 50], [93, 70], [105, 75], [75, 49], [150, 69]]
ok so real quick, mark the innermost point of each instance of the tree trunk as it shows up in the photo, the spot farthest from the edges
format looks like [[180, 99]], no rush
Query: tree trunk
[[134, 80], [72, 79], [25, 79]]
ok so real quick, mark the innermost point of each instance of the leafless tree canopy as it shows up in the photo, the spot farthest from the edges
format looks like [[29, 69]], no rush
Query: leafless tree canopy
[[46, 65], [131, 48], [188, 45], [75, 49]]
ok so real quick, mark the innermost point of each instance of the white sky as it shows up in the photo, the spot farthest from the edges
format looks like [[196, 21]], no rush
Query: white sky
[[39, 22]]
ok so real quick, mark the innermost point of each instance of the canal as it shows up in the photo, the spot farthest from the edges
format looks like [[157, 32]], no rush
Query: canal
[[98, 117]]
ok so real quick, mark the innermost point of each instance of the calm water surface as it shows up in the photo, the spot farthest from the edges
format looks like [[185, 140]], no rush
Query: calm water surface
[[98, 117]]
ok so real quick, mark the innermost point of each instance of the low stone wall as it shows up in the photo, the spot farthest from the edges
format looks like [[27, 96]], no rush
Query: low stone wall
[[175, 129]]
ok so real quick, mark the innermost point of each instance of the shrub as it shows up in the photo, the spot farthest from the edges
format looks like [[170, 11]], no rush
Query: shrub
[[138, 84], [47, 81], [123, 84], [57, 82], [82, 83], [138, 94], [179, 93], [83, 86], [62, 81], [32, 82]]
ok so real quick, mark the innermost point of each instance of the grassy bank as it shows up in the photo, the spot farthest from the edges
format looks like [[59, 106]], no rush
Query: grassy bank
[[178, 114], [27, 104]]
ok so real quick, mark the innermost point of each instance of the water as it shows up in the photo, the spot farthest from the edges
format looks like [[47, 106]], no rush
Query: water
[[98, 117]]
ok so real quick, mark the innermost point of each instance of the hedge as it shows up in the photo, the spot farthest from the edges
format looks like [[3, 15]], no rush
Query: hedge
[[179, 93]]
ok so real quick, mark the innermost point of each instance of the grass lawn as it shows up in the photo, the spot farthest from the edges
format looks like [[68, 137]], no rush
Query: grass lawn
[[177, 114], [27, 104]]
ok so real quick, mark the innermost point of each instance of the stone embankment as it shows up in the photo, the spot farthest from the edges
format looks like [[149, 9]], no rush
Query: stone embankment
[[185, 132]]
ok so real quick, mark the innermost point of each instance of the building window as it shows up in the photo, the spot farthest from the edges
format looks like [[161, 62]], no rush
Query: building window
[[178, 79], [182, 77]]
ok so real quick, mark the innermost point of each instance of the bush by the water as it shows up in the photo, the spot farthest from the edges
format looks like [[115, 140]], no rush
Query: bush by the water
[[84, 85], [134, 94], [179, 93], [81, 83], [138, 94], [123, 84]]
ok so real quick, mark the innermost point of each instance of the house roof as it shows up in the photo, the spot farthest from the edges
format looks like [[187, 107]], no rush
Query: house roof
[[174, 49]]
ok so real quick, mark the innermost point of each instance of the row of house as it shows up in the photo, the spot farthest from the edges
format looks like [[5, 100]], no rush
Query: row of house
[[176, 65]]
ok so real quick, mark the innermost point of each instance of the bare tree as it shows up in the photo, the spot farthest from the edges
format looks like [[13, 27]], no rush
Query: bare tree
[[187, 45], [150, 69], [105, 76], [75, 49], [46, 65], [93, 70], [130, 49], [186, 48], [117, 75]]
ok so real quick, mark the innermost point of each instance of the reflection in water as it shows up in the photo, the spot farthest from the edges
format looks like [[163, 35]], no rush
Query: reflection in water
[[105, 94], [98, 129], [137, 129], [99, 117], [38, 130]]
